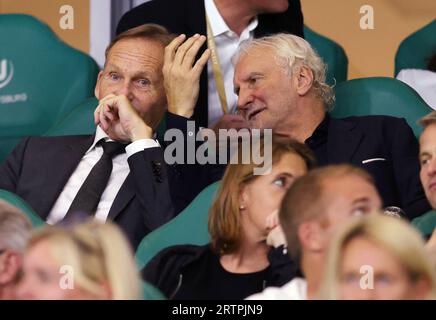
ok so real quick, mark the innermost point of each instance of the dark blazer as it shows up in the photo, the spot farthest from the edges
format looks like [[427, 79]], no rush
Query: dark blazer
[[356, 139], [384, 146], [188, 16], [39, 167]]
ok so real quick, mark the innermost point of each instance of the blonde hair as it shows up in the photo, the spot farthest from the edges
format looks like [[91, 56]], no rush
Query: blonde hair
[[428, 119], [394, 235], [293, 52], [15, 227], [98, 253], [224, 215]]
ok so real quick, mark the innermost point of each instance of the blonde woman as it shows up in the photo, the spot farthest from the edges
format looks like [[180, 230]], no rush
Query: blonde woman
[[378, 257], [87, 261]]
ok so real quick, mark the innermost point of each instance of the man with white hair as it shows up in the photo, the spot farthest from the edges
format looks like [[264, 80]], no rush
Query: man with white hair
[[280, 83], [15, 229]]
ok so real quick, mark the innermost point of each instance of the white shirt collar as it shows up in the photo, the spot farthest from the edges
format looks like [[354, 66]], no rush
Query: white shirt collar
[[217, 23], [99, 135]]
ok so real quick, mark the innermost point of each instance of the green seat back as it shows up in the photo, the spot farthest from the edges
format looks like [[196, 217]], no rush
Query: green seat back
[[150, 292], [16, 201], [332, 53], [414, 51], [380, 96], [79, 121], [41, 79], [426, 223], [189, 227]]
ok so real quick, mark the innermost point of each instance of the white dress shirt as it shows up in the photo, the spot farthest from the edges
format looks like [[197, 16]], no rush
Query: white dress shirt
[[92, 156], [226, 42], [423, 81], [296, 289]]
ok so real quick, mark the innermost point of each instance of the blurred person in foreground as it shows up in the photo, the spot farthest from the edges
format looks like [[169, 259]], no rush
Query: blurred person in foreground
[[378, 258], [15, 230], [84, 261]]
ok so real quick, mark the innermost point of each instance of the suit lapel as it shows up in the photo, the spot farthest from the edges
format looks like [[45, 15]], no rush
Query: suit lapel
[[61, 167], [343, 139]]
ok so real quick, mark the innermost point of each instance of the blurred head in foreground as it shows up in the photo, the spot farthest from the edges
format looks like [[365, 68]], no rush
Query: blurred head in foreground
[[87, 261], [379, 258]]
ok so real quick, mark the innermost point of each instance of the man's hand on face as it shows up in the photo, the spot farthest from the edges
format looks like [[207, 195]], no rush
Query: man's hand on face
[[121, 122], [182, 75]]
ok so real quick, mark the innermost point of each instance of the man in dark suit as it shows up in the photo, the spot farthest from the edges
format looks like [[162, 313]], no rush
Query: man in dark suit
[[51, 172], [280, 83], [231, 22]]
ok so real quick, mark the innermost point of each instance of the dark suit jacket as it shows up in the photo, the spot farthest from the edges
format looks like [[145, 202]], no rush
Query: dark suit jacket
[[356, 139], [39, 167], [188, 16]]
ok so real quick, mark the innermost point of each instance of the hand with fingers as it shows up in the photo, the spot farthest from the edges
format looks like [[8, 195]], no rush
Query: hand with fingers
[[276, 236], [230, 121], [121, 122], [182, 73]]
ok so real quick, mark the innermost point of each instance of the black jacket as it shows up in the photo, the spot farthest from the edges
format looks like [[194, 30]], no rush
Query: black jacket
[[386, 148], [152, 194], [188, 17], [166, 269], [381, 145]]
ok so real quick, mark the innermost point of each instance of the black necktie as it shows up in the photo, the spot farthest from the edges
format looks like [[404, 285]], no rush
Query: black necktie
[[88, 197]]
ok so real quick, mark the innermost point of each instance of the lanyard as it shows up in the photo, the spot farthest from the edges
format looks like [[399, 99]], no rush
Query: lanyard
[[217, 74]]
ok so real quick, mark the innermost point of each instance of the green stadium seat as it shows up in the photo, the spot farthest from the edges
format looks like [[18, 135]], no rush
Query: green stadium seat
[[332, 53], [150, 292], [16, 201], [380, 96], [426, 223], [79, 121], [189, 227], [414, 51], [41, 79]]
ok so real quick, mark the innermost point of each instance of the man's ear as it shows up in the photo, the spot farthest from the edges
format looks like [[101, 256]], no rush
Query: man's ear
[[310, 237], [97, 85], [11, 263], [304, 80]]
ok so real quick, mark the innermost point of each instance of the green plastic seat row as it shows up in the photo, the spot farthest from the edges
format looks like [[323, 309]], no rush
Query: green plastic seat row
[[189, 227], [416, 49], [18, 202], [41, 79], [426, 223], [380, 96], [332, 53]]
